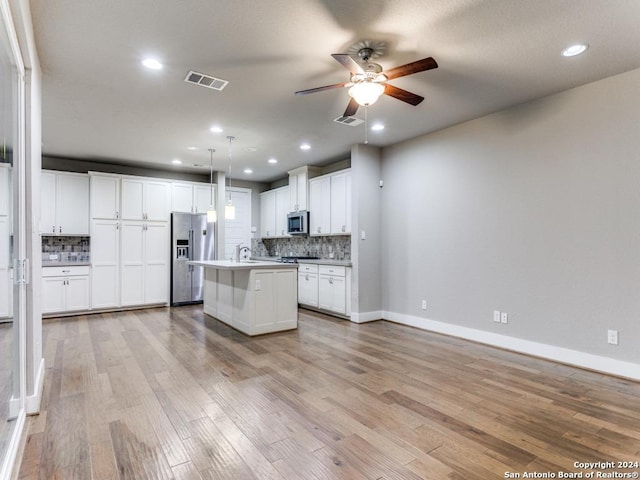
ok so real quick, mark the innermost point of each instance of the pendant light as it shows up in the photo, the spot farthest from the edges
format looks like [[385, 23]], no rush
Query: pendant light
[[229, 208], [212, 215]]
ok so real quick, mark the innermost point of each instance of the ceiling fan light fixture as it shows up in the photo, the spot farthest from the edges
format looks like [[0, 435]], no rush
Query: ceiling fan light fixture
[[366, 93]]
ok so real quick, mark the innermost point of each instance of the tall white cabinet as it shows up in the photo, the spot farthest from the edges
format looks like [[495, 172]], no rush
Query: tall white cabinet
[[129, 241], [274, 207]]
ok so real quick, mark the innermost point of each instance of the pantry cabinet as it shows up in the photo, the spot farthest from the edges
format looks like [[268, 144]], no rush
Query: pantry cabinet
[[144, 263], [64, 203], [105, 263], [105, 196]]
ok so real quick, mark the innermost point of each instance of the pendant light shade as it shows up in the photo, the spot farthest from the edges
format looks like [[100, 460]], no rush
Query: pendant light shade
[[212, 215]]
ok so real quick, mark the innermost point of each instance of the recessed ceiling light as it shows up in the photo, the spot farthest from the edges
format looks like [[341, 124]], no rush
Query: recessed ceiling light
[[192, 148], [216, 130], [377, 126], [176, 161], [152, 63], [248, 170], [574, 50], [305, 146], [272, 160]]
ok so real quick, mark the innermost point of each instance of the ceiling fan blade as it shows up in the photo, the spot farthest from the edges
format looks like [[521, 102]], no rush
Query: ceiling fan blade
[[348, 62], [352, 108], [403, 95], [321, 89], [410, 68]]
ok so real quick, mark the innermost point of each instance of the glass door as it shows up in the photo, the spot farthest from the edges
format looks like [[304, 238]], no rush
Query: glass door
[[11, 249]]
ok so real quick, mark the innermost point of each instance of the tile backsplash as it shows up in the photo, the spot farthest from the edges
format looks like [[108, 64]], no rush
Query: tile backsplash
[[337, 247], [65, 249]]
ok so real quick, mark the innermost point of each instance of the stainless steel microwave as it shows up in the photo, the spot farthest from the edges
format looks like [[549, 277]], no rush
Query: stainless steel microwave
[[298, 223]]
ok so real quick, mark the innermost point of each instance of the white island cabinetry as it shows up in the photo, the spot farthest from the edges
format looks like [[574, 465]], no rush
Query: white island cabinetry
[[252, 297]]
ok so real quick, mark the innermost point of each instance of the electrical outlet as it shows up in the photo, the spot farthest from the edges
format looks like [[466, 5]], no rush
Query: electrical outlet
[[258, 286], [424, 304], [504, 317], [612, 337], [496, 316]]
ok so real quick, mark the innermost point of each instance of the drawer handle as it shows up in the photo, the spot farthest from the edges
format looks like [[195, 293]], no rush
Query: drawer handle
[[66, 271]]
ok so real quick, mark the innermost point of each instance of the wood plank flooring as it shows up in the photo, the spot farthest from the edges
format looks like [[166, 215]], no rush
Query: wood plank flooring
[[171, 393]]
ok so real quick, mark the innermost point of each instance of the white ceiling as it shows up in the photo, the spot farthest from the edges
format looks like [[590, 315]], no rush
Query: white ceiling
[[99, 103]]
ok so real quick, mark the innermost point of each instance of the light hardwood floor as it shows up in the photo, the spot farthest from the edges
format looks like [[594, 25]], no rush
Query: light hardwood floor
[[171, 393]]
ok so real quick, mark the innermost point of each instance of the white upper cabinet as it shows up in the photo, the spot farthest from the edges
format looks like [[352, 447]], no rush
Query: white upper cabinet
[[64, 203], [330, 204], [341, 203], [192, 197], [145, 199], [274, 207], [320, 206], [267, 214], [298, 187], [203, 197], [281, 211], [105, 196]]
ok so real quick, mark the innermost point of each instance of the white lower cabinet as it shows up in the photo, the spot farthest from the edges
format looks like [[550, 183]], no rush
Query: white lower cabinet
[[332, 289], [308, 285], [326, 287], [65, 289]]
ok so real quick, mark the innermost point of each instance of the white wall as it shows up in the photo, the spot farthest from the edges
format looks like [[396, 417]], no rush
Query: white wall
[[534, 211]]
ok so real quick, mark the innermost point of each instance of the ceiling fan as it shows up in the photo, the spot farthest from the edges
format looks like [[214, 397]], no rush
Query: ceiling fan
[[368, 81]]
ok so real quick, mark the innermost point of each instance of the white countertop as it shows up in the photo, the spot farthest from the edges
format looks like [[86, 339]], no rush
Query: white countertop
[[245, 265]]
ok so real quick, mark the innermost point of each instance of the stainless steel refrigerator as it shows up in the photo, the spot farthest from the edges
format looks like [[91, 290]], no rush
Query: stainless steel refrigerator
[[192, 238]]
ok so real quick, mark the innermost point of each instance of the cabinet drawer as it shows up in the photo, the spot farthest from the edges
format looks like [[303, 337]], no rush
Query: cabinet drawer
[[65, 271], [334, 270], [307, 268]]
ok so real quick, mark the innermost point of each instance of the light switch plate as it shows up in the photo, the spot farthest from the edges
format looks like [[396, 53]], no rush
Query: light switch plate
[[504, 317], [612, 337], [496, 316]]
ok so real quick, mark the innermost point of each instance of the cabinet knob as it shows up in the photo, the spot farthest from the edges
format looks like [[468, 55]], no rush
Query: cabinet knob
[[344, 228], [60, 229], [54, 229], [117, 214]]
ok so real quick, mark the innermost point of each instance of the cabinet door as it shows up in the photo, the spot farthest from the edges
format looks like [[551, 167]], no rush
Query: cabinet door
[[48, 223], [132, 263], [105, 261], [281, 211], [320, 206], [203, 197], [267, 214], [105, 197], [182, 197], [325, 292], [338, 294], [5, 200], [72, 204], [156, 264], [53, 294], [308, 289], [77, 293], [132, 199], [341, 203], [157, 197]]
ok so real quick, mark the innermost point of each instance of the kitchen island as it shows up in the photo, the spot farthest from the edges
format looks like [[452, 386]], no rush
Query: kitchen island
[[254, 297]]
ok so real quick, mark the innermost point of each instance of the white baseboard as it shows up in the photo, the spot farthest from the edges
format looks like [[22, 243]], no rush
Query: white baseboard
[[558, 354], [32, 404], [362, 317]]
